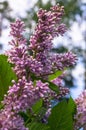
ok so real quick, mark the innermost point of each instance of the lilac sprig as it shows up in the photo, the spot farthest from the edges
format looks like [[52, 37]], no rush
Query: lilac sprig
[[49, 26], [62, 61], [80, 117], [41, 62], [23, 94], [17, 29], [9, 120], [19, 55]]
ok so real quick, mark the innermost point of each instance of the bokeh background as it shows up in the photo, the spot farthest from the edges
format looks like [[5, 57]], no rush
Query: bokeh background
[[74, 40]]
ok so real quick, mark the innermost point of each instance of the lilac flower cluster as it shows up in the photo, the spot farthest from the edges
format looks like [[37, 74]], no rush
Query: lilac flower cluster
[[41, 62], [48, 27], [23, 94], [61, 61], [11, 121], [80, 117], [19, 55]]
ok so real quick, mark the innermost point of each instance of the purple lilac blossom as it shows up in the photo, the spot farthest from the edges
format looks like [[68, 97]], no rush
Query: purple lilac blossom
[[11, 121], [19, 55], [80, 117], [24, 94], [41, 62], [49, 26], [62, 61]]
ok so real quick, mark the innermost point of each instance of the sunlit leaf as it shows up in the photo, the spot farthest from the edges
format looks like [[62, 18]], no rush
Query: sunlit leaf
[[6, 75], [55, 75]]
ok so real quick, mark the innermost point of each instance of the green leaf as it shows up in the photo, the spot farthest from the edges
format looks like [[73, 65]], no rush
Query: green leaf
[[38, 126], [41, 113], [6, 76], [37, 106], [61, 117], [53, 87], [24, 116], [1, 106], [72, 106], [55, 75]]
